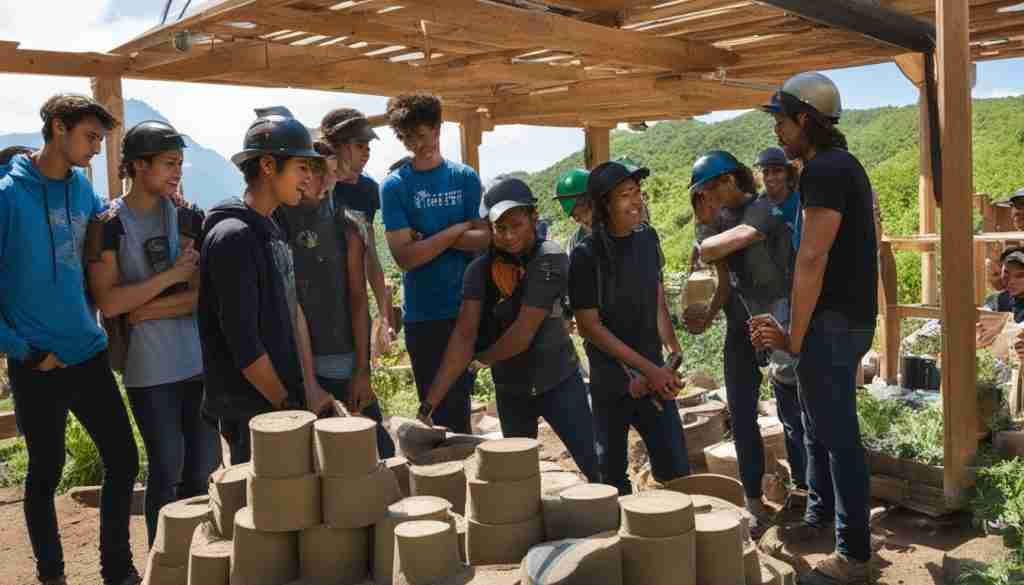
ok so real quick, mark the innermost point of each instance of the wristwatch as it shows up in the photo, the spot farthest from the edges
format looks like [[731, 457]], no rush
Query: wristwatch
[[34, 357]]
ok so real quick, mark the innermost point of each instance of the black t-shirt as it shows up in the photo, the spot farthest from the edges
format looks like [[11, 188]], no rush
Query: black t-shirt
[[628, 302], [1002, 302], [362, 196], [551, 357], [835, 179]]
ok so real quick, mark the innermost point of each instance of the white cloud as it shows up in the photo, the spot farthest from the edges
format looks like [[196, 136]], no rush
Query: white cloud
[[995, 92]]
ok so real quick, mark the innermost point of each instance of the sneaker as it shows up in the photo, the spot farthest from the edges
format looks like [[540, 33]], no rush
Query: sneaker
[[837, 569]]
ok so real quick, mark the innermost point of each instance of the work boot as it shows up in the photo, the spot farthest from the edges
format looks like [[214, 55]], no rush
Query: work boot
[[837, 569], [762, 518], [778, 537]]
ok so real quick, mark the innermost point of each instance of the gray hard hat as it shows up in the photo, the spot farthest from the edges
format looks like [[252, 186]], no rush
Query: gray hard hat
[[811, 89]]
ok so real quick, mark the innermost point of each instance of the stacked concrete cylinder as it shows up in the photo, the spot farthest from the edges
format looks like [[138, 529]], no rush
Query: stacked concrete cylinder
[[283, 497], [405, 510], [503, 501], [720, 549], [582, 510], [227, 496], [427, 554], [658, 539], [168, 558], [209, 560], [357, 489]]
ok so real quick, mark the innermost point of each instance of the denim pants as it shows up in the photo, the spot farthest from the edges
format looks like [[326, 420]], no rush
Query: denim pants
[[565, 407], [827, 375], [662, 432], [43, 401], [742, 387], [236, 434], [182, 447], [339, 389], [426, 342], [787, 401]]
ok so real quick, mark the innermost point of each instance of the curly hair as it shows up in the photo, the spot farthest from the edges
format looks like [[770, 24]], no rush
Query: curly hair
[[70, 109], [406, 113]]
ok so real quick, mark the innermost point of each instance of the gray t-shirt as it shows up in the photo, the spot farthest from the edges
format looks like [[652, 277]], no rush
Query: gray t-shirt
[[160, 351]]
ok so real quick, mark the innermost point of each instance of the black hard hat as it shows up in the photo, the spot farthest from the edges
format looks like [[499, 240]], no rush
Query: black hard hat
[[275, 133], [505, 195], [772, 157], [607, 175], [149, 138]]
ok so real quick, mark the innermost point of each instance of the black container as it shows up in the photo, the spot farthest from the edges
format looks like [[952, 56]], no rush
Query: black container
[[920, 373]]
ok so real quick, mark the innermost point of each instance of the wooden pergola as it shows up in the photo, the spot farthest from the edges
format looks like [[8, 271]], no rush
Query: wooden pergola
[[597, 63]]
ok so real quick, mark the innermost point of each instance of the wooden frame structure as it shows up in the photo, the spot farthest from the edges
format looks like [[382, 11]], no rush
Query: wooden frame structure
[[594, 64]]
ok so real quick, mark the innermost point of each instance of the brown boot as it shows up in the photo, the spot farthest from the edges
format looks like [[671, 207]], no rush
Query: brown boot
[[837, 569]]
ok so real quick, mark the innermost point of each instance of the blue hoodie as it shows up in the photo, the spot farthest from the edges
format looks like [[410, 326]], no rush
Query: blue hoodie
[[42, 234]]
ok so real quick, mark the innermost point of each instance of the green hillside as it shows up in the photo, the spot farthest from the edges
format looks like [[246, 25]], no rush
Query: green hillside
[[884, 139]]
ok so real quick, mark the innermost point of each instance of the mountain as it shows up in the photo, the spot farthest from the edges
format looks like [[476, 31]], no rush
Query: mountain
[[208, 177], [884, 139]]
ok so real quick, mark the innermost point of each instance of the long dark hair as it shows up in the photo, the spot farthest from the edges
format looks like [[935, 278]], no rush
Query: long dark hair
[[745, 179], [820, 131]]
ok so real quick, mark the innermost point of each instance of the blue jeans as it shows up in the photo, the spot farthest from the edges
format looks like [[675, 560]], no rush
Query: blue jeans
[[566, 409], [787, 401], [426, 342], [183, 448], [827, 375], [661, 431], [742, 387], [339, 389], [42, 401]]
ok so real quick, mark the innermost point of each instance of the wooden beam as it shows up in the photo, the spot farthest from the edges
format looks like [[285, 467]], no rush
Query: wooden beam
[[518, 27], [596, 148], [959, 393], [107, 91], [867, 18], [32, 62], [472, 136]]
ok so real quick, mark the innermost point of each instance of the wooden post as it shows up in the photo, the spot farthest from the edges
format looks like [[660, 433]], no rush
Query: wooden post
[[596, 148], [959, 396], [926, 204], [107, 91], [472, 136], [890, 333]]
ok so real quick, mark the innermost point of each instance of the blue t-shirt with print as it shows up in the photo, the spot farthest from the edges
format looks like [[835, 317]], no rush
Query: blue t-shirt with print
[[791, 215], [430, 202]]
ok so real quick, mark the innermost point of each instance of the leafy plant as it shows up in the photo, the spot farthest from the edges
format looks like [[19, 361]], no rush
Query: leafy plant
[[894, 428]]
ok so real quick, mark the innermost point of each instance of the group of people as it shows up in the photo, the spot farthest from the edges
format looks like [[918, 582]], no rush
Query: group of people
[[262, 303]]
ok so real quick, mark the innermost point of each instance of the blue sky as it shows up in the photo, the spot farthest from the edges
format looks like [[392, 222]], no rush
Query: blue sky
[[217, 116]]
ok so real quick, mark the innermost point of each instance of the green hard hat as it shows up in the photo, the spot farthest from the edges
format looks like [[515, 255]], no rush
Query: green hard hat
[[569, 187]]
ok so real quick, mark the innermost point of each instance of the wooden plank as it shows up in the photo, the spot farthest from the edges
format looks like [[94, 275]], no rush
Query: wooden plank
[[596, 145], [69, 64], [107, 91], [472, 136], [958, 331], [519, 27], [8, 426], [890, 331], [867, 18]]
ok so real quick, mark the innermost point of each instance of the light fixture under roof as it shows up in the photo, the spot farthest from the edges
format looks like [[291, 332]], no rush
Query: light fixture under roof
[[1012, 8], [242, 24]]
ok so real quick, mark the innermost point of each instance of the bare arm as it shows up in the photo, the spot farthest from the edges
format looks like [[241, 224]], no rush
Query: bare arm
[[359, 301], [459, 352], [375, 275], [666, 332], [476, 238], [518, 337], [721, 245], [171, 306], [410, 254], [115, 299], [264, 378], [820, 228]]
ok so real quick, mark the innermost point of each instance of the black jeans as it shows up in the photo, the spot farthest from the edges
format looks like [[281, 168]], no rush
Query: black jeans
[[426, 342], [183, 448], [339, 389], [42, 401], [742, 388], [236, 435]]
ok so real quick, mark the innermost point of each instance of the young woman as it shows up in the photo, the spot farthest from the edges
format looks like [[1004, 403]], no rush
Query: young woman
[[511, 318], [146, 282], [615, 288]]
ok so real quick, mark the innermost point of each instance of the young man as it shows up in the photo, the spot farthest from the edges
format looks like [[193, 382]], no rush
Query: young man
[[1011, 298], [833, 317], [329, 260], [349, 133], [252, 329], [56, 350], [511, 319], [146, 285], [571, 194], [432, 215]]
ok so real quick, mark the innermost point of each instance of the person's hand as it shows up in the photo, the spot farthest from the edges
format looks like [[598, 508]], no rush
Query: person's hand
[[319, 399], [51, 362], [696, 319], [663, 381], [638, 387], [137, 316], [383, 338], [768, 335], [184, 266], [360, 394], [986, 333]]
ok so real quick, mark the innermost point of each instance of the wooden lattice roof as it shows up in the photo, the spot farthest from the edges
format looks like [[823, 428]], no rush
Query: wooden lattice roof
[[557, 62]]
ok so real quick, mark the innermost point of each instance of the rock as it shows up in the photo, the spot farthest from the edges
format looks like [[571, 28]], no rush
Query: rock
[[636, 453], [979, 553], [702, 379], [487, 424]]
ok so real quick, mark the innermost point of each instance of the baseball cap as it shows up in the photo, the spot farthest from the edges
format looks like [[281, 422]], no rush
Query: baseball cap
[[1018, 195], [1017, 257], [355, 129], [607, 175], [507, 194]]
